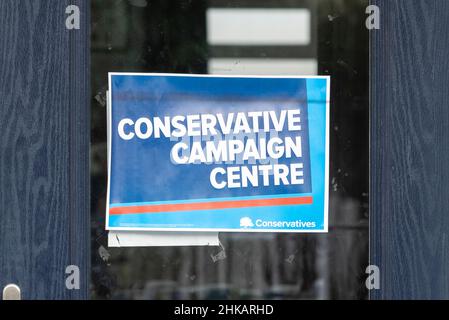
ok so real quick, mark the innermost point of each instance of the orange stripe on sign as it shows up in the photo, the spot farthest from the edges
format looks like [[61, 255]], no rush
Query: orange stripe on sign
[[210, 205]]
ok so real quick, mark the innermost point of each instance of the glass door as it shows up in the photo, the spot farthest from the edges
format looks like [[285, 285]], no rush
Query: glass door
[[241, 37]]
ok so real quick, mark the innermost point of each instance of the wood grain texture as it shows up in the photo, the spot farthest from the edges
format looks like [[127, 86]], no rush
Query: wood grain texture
[[409, 193], [44, 147]]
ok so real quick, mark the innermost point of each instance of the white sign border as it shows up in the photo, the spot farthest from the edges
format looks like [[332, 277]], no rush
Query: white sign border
[[246, 230]]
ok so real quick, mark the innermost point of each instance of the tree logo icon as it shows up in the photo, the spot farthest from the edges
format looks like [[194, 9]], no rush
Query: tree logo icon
[[246, 222]]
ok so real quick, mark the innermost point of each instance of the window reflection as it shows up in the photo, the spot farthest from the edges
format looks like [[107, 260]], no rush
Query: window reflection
[[241, 37]]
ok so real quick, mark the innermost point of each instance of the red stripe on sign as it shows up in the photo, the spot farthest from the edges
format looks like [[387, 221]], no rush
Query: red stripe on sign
[[210, 205]]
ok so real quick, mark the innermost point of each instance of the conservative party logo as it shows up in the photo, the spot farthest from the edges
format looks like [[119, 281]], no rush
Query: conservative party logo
[[246, 222]]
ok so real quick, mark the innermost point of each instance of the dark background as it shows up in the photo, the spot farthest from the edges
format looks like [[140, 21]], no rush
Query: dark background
[[170, 36]]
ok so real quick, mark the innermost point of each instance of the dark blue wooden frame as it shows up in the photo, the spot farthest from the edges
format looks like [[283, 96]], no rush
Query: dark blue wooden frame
[[44, 147], [409, 161]]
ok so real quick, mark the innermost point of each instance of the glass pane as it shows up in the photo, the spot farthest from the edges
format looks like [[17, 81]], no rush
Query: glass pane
[[325, 37]]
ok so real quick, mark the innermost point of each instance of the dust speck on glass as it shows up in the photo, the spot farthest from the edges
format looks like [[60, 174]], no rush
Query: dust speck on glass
[[324, 37]]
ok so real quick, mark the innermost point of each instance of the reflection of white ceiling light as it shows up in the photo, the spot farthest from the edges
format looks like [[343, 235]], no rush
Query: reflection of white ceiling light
[[254, 66], [258, 26], [251, 33]]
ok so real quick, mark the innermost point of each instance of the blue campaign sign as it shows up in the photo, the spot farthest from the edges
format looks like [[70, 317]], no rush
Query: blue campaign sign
[[218, 153]]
